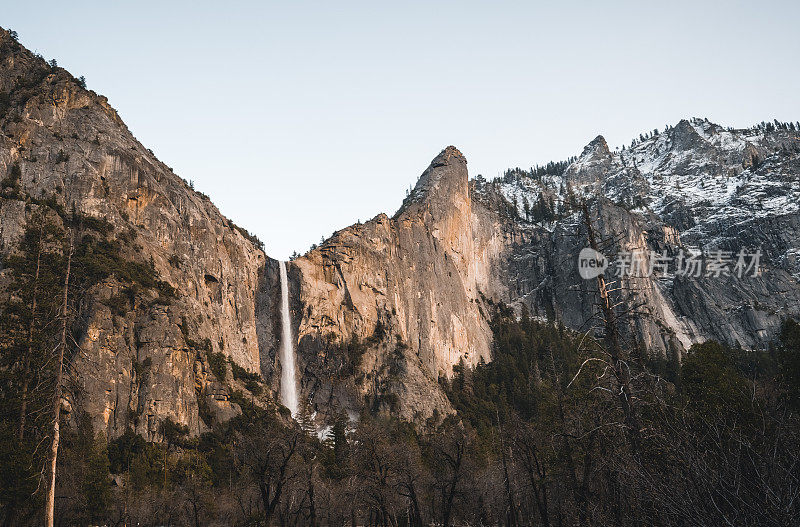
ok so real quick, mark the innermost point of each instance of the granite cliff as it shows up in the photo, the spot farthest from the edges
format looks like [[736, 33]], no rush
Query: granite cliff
[[413, 287], [694, 188], [425, 278], [142, 361]]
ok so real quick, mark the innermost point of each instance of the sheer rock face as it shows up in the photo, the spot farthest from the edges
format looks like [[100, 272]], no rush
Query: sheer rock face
[[137, 368], [420, 277], [694, 187]]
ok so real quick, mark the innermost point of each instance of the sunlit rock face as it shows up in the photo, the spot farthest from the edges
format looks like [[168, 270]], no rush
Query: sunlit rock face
[[136, 365], [419, 279], [426, 276]]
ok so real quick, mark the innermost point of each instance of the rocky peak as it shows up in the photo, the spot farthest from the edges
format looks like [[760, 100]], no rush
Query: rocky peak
[[696, 185], [592, 165], [448, 154], [70, 150], [685, 136], [597, 148], [444, 180]]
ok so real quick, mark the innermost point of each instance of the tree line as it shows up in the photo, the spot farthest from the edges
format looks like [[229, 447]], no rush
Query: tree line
[[538, 438]]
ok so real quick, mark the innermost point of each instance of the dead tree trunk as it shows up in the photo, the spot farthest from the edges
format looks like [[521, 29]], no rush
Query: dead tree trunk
[[51, 487], [620, 370], [511, 512]]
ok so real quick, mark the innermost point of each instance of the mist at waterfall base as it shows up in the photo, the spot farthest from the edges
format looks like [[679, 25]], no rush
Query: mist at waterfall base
[[288, 368]]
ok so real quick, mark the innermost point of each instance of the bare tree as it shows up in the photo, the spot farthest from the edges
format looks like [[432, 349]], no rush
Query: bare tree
[[267, 457], [448, 451], [524, 443], [62, 347], [612, 346]]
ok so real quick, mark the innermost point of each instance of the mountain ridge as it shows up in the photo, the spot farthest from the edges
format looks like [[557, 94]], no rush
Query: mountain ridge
[[383, 309]]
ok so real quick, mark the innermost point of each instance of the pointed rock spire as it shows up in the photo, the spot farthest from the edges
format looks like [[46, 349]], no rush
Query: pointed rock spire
[[597, 147], [443, 181], [593, 163]]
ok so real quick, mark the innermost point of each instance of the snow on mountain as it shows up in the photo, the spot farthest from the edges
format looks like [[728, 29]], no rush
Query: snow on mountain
[[707, 181], [694, 187]]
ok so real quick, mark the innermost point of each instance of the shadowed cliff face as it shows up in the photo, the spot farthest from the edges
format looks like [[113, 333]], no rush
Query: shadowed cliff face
[[694, 187]]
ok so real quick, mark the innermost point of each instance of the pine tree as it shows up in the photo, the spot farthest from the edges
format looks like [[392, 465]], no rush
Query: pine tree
[[305, 418], [341, 447]]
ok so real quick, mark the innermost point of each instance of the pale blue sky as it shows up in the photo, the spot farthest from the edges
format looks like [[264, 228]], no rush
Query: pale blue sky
[[299, 118]]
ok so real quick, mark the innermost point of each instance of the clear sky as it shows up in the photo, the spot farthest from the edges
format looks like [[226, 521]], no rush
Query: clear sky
[[299, 118]]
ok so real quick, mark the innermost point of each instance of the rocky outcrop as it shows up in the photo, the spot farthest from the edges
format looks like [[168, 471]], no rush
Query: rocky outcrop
[[593, 165]]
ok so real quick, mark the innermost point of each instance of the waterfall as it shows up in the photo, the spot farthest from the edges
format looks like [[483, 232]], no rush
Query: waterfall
[[288, 375]]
